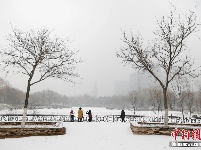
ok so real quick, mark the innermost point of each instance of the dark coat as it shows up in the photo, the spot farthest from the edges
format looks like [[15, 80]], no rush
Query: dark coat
[[89, 115], [122, 114]]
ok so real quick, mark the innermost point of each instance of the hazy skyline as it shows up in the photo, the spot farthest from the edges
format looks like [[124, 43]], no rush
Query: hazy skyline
[[95, 27]]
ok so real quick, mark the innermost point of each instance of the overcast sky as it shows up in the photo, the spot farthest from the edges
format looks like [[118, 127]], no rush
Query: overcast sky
[[95, 27]]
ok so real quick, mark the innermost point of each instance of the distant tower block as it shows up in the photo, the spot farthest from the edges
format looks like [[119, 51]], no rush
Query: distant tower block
[[95, 91], [121, 88], [140, 80]]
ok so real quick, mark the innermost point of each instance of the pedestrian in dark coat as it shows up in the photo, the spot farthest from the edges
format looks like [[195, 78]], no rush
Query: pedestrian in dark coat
[[122, 116], [89, 115], [72, 116]]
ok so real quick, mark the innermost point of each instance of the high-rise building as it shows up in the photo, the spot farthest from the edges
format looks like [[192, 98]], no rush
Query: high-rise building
[[121, 88], [140, 80], [95, 91]]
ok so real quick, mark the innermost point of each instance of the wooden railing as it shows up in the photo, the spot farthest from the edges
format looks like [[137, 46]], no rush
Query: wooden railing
[[96, 118]]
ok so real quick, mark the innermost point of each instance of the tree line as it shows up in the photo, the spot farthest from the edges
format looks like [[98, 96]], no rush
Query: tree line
[[48, 98], [142, 99]]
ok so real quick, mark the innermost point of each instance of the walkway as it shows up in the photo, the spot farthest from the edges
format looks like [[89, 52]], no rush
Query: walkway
[[92, 136]]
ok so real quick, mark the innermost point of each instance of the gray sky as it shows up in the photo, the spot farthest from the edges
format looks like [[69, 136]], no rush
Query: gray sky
[[95, 27]]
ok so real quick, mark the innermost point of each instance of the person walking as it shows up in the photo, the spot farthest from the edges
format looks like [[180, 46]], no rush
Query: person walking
[[80, 115], [122, 116], [72, 116], [89, 115]]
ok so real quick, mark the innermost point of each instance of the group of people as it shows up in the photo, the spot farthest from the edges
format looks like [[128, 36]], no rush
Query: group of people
[[80, 115]]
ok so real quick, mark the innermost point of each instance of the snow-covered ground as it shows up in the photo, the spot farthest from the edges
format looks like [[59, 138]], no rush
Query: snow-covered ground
[[95, 111], [92, 136]]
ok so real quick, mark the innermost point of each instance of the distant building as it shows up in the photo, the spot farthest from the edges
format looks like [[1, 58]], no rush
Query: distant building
[[140, 80], [95, 91], [121, 88]]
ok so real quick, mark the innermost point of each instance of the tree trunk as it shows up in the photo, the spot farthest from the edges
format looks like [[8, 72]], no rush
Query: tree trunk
[[134, 110], [158, 113], [165, 107], [190, 113], [182, 110], [26, 104]]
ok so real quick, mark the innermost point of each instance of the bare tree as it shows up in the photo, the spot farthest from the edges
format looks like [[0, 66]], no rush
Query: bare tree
[[155, 99], [4, 88], [190, 96], [4, 83], [134, 99], [38, 52], [198, 101], [171, 99], [168, 51], [179, 87]]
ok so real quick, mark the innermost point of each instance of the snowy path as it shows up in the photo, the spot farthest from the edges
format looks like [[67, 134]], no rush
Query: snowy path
[[92, 136]]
